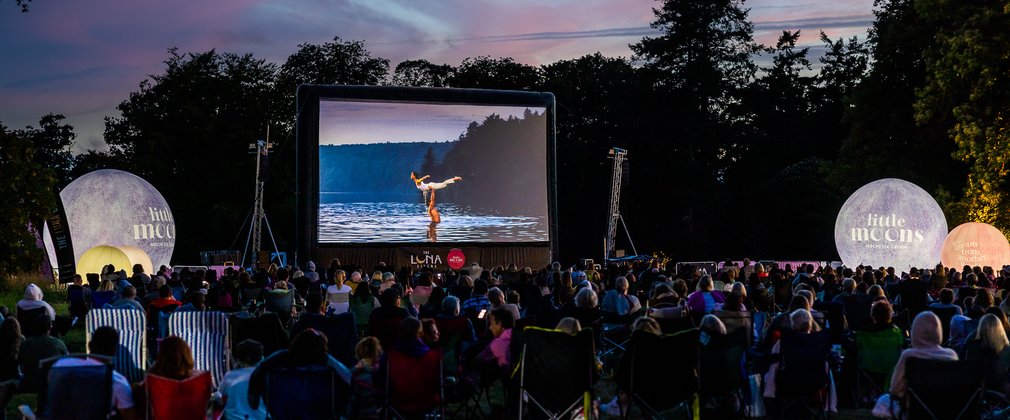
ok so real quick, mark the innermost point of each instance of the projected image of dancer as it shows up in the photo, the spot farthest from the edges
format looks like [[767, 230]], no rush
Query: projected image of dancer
[[426, 187]]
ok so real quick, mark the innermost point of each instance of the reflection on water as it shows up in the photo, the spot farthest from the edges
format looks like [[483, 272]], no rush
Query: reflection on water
[[409, 222]]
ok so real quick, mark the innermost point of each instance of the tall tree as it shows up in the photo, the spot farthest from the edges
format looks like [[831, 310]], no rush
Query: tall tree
[[885, 139], [421, 73], [697, 69], [337, 62], [187, 131], [29, 191], [494, 73], [966, 79], [54, 141], [600, 104]]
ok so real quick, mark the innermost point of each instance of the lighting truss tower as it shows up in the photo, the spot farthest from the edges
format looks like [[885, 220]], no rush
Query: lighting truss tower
[[618, 155], [262, 150]]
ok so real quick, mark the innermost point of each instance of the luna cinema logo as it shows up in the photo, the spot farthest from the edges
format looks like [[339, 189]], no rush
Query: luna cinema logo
[[883, 228], [162, 226]]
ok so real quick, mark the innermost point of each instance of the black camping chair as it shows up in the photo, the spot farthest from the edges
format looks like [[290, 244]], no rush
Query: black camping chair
[[82, 391], [945, 315], [340, 331], [738, 321], [721, 367], [556, 371], [266, 329], [944, 389], [802, 377], [308, 392], [671, 360], [29, 319]]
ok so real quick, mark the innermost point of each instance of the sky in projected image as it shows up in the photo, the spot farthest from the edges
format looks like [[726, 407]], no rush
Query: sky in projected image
[[345, 122]]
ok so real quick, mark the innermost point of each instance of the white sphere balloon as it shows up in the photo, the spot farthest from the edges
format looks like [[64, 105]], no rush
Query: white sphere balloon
[[890, 223], [117, 208]]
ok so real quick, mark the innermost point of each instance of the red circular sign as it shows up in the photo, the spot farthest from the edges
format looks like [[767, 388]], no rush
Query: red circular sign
[[455, 259]]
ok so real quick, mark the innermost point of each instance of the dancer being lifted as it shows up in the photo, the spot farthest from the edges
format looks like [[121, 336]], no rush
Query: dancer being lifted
[[425, 187]]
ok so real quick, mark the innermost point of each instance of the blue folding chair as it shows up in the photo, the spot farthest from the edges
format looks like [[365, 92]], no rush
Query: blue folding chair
[[131, 356], [207, 336]]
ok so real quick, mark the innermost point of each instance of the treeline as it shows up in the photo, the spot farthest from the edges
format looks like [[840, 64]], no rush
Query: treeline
[[727, 157]]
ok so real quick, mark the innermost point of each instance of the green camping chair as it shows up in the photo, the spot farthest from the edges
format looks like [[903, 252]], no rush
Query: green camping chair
[[877, 354]]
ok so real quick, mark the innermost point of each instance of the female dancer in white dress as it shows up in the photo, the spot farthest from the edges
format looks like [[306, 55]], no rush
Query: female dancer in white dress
[[425, 187]]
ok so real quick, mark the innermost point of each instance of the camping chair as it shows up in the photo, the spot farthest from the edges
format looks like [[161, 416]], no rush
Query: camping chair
[[556, 371], [945, 315], [720, 366], [307, 392], [671, 360], [616, 332], [99, 299], [451, 340], [341, 334], [80, 391], [131, 356], [207, 336], [944, 389], [675, 325], [802, 375], [877, 353], [738, 321], [280, 304], [250, 294], [414, 385], [29, 319], [75, 299], [172, 399], [266, 329]]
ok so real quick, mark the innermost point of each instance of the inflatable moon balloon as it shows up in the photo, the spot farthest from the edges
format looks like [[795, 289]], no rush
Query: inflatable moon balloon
[[975, 244]]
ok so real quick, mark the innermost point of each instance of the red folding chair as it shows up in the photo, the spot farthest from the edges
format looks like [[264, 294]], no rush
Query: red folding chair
[[413, 385], [172, 399]]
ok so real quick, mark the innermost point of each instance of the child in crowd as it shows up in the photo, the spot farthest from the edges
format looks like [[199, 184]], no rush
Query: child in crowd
[[366, 399]]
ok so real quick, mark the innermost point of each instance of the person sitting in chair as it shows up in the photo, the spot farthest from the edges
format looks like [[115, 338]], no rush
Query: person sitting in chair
[[926, 337], [105, 342]]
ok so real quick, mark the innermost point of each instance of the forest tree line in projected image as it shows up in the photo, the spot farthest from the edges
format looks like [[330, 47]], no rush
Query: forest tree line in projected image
[[736, 148], [503, 163]]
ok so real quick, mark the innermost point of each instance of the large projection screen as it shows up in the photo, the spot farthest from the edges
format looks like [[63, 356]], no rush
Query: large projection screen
[[393, 166]]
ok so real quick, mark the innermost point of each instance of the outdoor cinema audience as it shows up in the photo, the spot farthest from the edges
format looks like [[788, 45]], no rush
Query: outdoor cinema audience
[[476, 327]]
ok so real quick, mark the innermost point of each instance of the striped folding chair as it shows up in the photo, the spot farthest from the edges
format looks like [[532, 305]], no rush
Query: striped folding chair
[[207, 336], [131, 357]]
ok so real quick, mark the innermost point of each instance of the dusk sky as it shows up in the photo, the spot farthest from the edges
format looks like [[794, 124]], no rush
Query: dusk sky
[[82, 58]]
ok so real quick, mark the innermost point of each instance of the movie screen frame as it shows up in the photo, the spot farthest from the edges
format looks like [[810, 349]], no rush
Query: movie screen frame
[[307, 136]]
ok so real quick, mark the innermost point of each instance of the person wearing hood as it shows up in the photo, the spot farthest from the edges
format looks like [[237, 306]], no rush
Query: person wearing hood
[[926, 337], [33, 300]]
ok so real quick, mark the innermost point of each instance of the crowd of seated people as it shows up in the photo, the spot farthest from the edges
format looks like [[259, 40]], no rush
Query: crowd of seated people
[[471, 318]]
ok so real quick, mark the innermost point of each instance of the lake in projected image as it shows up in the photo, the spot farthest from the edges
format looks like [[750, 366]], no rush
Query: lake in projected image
[[342, 222]]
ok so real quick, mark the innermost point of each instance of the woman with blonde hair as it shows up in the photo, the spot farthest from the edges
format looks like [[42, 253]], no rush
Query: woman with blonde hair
[[992, 347], [338, 294]]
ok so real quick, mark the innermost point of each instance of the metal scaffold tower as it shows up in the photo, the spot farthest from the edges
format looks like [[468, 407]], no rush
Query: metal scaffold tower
[[618, 155], [262, 150]]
